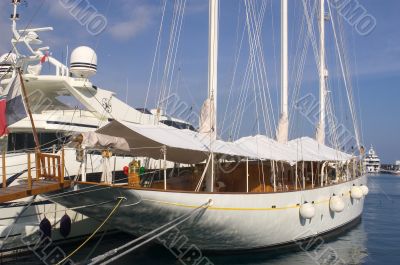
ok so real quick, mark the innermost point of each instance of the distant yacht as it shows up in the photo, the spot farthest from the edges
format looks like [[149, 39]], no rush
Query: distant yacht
[[372, 163]]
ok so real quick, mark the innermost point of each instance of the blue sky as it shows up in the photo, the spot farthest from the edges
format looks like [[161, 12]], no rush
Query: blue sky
[[126, 48]]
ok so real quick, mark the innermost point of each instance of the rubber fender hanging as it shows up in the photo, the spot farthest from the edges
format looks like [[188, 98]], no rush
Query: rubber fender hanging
[[65, 225], [45, 227]]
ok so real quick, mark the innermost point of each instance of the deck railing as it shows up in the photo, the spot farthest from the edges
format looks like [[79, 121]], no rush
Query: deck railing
[[49, 166]]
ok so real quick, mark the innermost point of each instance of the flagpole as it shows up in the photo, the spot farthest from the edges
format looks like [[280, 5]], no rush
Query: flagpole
[[25, 98]]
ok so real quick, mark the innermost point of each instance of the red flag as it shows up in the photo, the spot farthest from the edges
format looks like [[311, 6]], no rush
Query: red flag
[[43, 59], [3, 118]]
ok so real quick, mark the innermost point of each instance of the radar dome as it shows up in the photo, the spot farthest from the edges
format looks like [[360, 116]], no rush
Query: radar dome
[[83, 62], [7, 62]]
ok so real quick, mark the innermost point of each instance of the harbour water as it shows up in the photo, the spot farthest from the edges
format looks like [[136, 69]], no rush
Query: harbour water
[[375, 240]]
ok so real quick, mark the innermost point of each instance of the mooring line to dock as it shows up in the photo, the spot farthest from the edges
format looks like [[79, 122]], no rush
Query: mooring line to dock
[[95, 231], [169, 226]]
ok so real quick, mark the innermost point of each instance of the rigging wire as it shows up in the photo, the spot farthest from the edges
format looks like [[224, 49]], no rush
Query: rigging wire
[[236, 64], [95, 231], [156, 52], [168, 226], [346, 79], [170, 62]]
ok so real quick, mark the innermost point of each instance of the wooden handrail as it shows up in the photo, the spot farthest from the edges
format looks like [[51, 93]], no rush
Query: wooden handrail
[[48, 166], [49, 155], [29, 172], [62, 173], [38, 166]]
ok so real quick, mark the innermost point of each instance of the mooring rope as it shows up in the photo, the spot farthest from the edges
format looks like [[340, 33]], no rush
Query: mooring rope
[[95, 231], [174, 223]]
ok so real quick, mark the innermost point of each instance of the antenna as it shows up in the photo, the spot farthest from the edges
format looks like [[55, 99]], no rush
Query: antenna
[[67, 56], [15, 15], [14, 18], [126, 92]]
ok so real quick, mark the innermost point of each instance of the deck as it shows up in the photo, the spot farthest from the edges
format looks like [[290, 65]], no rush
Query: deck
[[49, 177], [21, 191]]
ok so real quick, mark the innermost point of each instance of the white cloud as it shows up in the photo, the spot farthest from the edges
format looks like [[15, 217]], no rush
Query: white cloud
[[57, 10], [135, 22]]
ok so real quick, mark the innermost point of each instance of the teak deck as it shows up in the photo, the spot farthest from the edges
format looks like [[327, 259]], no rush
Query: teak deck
[[49, 177], [38, 187]]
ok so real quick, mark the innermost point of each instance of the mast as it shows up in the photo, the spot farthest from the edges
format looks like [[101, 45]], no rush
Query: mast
[[212, 86], [283, 126], [213, 63], [320, 136]]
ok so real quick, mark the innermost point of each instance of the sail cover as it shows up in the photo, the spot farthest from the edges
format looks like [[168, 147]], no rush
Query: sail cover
[[96, 140], [207, 122], [185, 146]]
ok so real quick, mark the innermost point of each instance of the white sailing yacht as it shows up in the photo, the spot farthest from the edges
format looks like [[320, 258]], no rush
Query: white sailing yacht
[[249, 194], [50, 98]]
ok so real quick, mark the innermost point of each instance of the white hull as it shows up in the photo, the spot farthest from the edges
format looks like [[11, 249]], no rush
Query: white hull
[[12, 231], [233, 222], [373, 169], [20, 218]]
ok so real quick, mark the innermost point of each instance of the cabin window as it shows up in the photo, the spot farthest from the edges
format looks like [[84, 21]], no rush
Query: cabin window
[[178, 125], [21, 141]]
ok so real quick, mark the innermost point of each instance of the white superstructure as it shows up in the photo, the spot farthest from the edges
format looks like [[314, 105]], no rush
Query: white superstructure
[[62, 103]]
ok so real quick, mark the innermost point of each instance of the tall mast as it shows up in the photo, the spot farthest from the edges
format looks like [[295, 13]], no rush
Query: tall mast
[[212, 87], [213, 63], [283, 126], [320, 137]]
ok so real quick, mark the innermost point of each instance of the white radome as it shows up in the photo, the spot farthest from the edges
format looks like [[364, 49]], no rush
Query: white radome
[[356, 192], [336, 204], [83, 62], [307, 210], [364, 189]]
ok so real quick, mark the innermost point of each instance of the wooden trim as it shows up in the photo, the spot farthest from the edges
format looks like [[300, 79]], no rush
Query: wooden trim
[[61, 166], [26, 101], [29, 172], [48, 166], [38, 187], [54, 173], [38, 165]]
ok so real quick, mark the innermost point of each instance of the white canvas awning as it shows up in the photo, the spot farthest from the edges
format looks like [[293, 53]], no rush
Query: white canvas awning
[[309, 149], [267, 149], [185, 146], [148, 140]]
